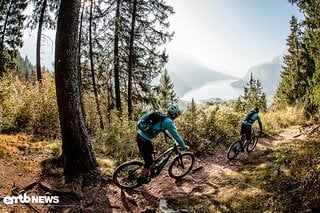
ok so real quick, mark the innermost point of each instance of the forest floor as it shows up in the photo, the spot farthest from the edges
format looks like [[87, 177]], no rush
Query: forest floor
[[21, 173]]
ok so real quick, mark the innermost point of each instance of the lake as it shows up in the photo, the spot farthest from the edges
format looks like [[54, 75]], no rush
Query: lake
[[215, 89]]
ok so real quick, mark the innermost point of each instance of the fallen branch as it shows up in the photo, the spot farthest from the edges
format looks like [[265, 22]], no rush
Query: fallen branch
[[51, 189]]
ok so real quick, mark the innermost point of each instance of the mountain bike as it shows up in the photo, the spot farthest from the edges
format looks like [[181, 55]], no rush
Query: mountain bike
[[243, 144], [125, 176]]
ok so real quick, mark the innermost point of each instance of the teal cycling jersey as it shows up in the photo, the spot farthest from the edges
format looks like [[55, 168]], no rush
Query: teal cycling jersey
[[165, 124], [254, 117]]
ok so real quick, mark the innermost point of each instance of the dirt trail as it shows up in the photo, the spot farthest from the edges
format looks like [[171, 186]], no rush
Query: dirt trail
[[207, 172], [23, 169]]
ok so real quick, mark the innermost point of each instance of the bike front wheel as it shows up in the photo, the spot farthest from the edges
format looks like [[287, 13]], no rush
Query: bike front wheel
[[234, 150], [181, 165], [252, 144], [125, 176]]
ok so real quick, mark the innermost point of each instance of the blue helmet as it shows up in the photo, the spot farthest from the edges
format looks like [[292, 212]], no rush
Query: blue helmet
[[173, 109]]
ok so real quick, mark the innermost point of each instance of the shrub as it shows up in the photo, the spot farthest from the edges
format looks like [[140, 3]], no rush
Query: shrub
[[38, 111], [118, 141], [275, 121], [9, 102], [30, 108]]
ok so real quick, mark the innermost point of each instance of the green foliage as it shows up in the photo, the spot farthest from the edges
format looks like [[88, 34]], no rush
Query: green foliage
[[290, 90], [166, 94], [205, 130], [275, 121], [285, 179], [141, 56], [38, 113], [299, 85], [221, 126], [29, 108], [294, 178], [253, 96], [118, 141], [9, 103], [11, 26], [25, 69], [189, 125]]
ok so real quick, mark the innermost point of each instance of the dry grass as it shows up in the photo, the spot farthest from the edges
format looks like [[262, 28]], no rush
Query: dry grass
[[286, 179]]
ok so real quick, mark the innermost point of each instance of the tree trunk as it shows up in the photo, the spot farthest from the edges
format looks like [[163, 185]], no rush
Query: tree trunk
[[92, 68], [79, 158], [131, 59], [4, 28], [116, 58], [38, 53], [79, 57]]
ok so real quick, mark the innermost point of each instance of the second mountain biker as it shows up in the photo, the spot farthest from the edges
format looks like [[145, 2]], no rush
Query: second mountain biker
[[246, 125]]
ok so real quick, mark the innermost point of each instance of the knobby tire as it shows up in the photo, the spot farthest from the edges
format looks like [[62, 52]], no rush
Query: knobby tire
[[125, 176], [234, 150], [181, 165], [252, 144]]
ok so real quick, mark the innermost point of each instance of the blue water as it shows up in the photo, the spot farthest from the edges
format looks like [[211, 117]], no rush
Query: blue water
[[215, 89]]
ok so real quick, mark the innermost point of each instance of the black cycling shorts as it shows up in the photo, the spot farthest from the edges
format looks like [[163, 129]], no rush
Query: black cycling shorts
[[246, 130], [146, 151]]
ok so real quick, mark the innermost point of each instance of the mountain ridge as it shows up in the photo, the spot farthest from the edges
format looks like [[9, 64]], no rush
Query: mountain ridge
[[268, 73], [188, 73]]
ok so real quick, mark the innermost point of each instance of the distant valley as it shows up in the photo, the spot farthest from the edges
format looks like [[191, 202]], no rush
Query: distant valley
[[189, 74]]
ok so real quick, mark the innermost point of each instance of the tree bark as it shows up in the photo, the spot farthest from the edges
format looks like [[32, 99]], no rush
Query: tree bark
[[116, 58], [4, 28], [93, 76], [79, 158], [131, 58], [38, 53]]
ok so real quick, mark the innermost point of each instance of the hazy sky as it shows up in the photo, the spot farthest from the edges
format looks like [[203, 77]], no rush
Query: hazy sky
[[225, 35], [231, 35]]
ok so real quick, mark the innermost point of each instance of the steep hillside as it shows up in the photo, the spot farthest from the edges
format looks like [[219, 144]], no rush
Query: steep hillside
[[262, 181], [281, 175]]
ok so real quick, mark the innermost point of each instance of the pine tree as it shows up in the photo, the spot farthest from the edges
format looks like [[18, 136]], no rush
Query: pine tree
[[25, 69], [190, 124], [253, 96], [290, 91], [11, 26], [166, 93], [129, 55], [43, 17], [309, 56], [76, 146]]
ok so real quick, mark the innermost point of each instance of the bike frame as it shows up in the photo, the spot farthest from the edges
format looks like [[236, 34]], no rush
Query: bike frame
[[163, 159], [244, 139]]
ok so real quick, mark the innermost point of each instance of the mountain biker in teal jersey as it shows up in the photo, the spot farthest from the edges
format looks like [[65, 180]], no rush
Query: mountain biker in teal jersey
[[144, 141], [246, 125]]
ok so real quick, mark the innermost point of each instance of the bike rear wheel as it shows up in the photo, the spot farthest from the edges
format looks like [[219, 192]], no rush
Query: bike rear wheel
[[252, 144], [181, 165], [234, 150], [125, 176]]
